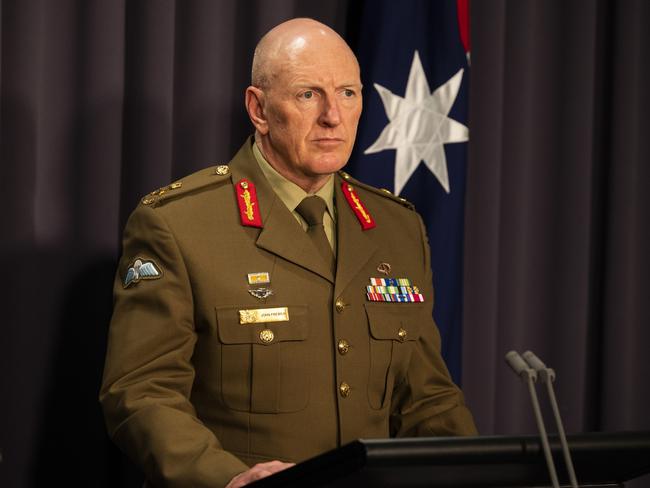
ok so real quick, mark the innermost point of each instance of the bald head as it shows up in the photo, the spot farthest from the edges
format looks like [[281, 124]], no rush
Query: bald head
[[305, 101], [286, 42]]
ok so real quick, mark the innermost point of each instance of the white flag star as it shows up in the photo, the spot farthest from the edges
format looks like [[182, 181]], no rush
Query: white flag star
[[419, 126]]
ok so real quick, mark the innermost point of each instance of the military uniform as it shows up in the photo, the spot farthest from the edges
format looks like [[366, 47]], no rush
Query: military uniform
[[201, 381]]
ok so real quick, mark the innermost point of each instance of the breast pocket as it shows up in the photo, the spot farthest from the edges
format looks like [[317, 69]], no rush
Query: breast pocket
[[264, 366], [394, 328]]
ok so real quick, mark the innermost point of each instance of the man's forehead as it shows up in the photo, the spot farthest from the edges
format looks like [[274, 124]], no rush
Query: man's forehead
[[316, 73], [304, 48], [322, 79]]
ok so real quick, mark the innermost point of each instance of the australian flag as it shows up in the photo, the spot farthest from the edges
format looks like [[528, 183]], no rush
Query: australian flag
[[413, 131]]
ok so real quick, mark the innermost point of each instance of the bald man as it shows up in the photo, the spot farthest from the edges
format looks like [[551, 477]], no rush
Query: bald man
[[274, 308]]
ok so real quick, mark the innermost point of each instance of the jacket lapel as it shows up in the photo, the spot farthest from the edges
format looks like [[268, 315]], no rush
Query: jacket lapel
[[281, 234], [355, 246]]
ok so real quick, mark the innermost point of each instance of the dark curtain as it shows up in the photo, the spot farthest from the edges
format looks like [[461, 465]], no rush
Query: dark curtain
[[103, 101], [558, 210]]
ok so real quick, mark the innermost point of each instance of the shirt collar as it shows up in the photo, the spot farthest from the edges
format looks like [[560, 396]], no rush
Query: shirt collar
[[290, 193]]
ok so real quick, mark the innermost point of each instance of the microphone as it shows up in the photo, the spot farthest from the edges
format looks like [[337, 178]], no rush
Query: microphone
[[547, 376], [529, 375]]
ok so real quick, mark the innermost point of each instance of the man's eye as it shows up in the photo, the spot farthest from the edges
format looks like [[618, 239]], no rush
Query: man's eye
[[348, 93], [308, 94]]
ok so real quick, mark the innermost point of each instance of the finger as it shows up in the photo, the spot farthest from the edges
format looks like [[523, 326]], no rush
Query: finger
[[242, 479], [274, 466], [249, 477], [279, 466], [275, 462], [258, 471], [253, 474], [258, 475]]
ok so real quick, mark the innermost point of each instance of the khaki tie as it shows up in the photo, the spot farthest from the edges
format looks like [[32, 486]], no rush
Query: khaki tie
[[312, 210]]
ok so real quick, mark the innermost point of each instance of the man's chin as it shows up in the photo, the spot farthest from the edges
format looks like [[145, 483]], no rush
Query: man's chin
[[329, 163]]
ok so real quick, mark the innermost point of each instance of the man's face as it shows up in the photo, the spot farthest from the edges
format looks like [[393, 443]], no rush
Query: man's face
[[312, 108]]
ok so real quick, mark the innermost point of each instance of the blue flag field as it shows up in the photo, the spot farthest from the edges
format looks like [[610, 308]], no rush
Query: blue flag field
[[413, 132]]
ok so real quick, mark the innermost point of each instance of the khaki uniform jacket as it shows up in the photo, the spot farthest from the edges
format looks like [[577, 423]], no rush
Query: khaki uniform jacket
[[194, 397]]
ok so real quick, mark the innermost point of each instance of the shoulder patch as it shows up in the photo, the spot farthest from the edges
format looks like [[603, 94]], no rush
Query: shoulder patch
[[382, 192], [196, 181], [141, 269]]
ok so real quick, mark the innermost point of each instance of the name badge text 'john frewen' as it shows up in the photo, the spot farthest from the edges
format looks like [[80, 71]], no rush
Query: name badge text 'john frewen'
[[258, 315]]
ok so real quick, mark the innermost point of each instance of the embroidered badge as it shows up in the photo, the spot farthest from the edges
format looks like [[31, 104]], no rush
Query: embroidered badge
[[393, 290], [357, 207], [141, 270], [249, 208]]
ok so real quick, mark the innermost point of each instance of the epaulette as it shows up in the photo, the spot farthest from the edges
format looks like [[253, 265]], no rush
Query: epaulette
[[196, 181], [379, 191]]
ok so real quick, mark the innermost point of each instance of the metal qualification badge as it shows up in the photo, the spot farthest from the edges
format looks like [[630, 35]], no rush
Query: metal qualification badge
[[261, 315]]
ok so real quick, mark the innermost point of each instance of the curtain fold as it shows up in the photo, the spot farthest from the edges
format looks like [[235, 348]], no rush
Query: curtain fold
[[556, 218], [101, 103]]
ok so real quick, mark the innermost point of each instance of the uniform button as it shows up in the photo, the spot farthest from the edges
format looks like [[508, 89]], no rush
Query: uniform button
[[343, 346], [267, 336], [344, 389], [401, 333], [340, 305]]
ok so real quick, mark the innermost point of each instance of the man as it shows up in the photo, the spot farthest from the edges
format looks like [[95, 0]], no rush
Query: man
[[251, 327]]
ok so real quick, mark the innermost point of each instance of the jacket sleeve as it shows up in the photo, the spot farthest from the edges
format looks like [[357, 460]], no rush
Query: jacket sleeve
[[148, 373], [427, 402]]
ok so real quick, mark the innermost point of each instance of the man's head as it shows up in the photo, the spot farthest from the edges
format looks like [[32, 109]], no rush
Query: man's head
[[305, 101]]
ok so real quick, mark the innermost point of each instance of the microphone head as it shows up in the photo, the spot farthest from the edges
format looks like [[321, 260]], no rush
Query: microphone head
[[518, 365], [546, 373], [534, 362]]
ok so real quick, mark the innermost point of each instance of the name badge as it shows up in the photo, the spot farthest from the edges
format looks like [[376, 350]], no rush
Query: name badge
[[259, 315]]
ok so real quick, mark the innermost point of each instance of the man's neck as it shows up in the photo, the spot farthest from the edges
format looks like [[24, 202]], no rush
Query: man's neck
[[309, 183]]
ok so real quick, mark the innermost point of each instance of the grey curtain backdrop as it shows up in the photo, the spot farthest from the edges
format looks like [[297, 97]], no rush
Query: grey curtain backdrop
[[103, 101], [558, 210]]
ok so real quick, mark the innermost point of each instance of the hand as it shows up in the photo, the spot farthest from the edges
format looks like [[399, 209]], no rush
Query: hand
[[257, 472]]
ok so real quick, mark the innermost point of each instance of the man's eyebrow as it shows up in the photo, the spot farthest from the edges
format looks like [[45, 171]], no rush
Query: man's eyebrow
[[354, 84], [299, 80], [315, 85]]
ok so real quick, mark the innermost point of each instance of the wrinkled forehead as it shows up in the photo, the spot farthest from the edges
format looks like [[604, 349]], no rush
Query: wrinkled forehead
[[329, 56]]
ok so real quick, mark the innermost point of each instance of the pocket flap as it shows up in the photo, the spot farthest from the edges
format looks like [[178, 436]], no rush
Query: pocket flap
[[232, 332], [392, 321]]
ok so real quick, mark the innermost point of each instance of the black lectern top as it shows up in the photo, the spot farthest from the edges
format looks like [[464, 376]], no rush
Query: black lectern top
[[600, 459]]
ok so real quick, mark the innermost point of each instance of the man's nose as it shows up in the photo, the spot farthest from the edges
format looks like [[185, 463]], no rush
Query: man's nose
[[330, 115]]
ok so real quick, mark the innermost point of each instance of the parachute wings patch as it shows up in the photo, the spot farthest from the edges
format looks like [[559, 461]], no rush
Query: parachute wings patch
[[141, 270]]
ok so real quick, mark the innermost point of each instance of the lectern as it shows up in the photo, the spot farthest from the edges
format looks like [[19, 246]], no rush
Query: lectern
[[600, 460]]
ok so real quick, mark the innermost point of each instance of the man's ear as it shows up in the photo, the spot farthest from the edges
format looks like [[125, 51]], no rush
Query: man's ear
[[255, 107]]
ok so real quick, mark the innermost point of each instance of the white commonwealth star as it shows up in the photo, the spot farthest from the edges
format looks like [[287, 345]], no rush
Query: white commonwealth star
[[419, 126]]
